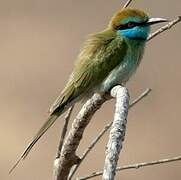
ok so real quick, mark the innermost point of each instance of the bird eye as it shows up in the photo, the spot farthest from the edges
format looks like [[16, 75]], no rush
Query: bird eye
[[126, 26], [130, 24]]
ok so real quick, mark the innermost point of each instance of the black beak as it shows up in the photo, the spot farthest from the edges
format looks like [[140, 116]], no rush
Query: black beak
[[152, 21]]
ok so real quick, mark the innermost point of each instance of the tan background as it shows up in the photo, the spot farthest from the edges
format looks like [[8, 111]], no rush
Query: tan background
[[39, 40]]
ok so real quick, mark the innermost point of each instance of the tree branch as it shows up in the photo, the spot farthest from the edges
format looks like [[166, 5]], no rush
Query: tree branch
[[68, 155], [65, 162], [151, 36], [103, 131], [133, 166], [164, 28], [64, 131], [127, 4], [117, 133], [140, 97]]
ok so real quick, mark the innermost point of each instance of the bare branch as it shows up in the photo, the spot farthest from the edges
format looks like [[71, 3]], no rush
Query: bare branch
[[117, 133], [104, 130], [151, 36], [64, 130], [68, 155], [159, 31], [140, 97], [127, 4], [89, 148], [133, 166], [94, 101], [164, 28]]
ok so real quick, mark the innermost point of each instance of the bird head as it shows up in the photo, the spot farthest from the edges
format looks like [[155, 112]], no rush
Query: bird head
[[133, 23]]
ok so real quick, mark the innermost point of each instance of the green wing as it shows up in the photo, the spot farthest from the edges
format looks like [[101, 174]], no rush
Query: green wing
[[101, 53]]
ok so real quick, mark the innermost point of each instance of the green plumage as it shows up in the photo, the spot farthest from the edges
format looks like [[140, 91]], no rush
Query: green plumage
[[106, 59], [101, 53]]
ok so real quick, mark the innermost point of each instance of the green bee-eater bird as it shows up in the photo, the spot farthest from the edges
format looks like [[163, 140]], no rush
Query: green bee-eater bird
[[108, 58]]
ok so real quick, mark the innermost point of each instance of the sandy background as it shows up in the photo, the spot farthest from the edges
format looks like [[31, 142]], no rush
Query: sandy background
[[39, 40]]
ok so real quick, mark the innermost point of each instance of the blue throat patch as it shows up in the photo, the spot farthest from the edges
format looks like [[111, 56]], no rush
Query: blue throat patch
[[138, 32]]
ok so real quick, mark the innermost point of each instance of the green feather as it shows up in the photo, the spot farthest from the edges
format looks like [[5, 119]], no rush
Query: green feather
[[101, 54], [97, 58]]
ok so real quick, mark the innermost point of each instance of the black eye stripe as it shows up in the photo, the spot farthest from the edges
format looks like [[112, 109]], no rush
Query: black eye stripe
[[130, 25]]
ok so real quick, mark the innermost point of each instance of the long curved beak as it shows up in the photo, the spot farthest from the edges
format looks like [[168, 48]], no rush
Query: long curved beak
[[152, 21]]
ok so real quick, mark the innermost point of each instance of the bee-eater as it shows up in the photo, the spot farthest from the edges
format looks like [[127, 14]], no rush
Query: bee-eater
[[108, 58]]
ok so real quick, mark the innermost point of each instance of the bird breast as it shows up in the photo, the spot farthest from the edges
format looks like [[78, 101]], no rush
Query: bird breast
[[127, 67]]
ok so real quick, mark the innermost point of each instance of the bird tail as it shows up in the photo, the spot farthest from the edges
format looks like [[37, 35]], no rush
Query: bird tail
[[51, 119], [62, 103]]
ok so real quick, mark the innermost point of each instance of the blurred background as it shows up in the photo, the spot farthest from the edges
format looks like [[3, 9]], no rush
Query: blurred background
[[39, 41]]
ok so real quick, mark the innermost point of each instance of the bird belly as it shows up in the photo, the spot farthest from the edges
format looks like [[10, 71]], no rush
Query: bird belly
[[122, 73]]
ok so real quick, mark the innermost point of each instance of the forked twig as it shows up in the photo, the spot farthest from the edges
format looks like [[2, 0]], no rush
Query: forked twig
[[168, 26], [68, 156], [104, 130], [151, 36]]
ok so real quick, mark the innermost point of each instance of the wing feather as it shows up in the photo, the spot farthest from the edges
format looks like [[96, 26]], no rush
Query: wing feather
[[101, 53]]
